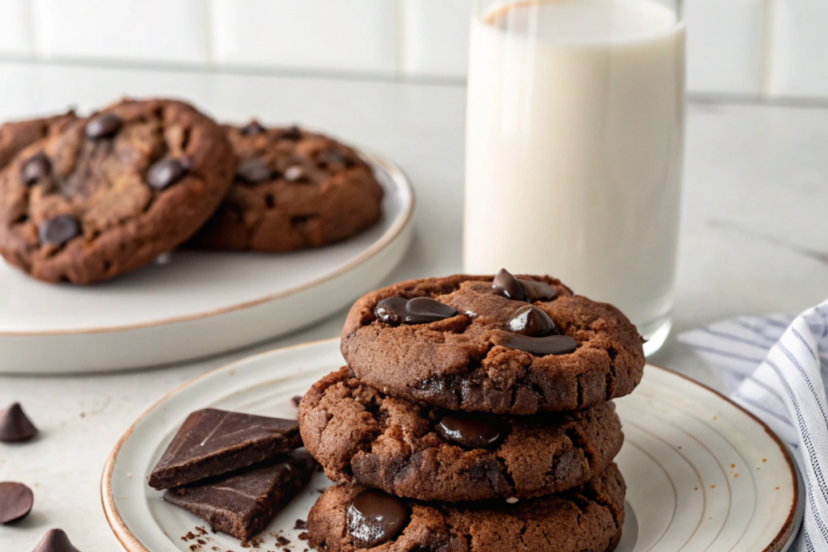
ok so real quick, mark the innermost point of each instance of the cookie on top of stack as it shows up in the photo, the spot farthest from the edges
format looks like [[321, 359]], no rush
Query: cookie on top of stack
[[474, 414]]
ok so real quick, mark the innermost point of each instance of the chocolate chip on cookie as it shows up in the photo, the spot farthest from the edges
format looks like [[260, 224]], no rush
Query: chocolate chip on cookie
[[360, 434], [481, 359], [97, 197], [294, 189], [589, 518]]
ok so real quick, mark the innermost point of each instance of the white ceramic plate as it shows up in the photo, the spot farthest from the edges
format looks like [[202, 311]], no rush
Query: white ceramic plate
[[702, 474], [199, 303]]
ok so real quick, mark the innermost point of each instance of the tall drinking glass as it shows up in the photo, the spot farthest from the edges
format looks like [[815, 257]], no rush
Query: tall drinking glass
[[574, 146]]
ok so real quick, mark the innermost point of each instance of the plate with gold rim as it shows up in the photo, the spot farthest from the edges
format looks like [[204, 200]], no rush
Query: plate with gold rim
[[702, 473]]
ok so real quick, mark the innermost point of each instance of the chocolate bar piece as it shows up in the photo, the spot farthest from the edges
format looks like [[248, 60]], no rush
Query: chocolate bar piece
[[214, 442], [244, 503]]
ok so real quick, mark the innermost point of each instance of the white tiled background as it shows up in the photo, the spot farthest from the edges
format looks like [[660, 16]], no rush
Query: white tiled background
[[752, 48]]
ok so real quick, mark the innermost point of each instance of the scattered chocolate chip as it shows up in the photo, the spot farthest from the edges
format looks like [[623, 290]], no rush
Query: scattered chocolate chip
[[15, 426], [60, 230], [252, 128], [532, 321], [508, 286], [166, 172], [420, 310], [300, 525], [375, 518], [294, 173], [549, 345], [55, 540], [38, 166], [297, 400], [282, 540], [16, 501], [521, 289], [472, 431], [292, 133], [104, 125], [254, 171], [538, 291]]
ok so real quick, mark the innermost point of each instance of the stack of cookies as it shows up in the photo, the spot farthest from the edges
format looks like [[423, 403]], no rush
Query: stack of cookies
[[85, 199], [474, 414]]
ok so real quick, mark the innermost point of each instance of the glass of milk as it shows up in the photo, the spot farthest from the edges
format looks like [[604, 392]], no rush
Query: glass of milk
[[574, 146]]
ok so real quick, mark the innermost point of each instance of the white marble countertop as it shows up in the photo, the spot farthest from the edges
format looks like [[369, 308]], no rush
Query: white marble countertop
[[754, 240]]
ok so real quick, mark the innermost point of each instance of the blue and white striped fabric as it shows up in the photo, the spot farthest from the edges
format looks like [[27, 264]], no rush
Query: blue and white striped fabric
[[777, 367]]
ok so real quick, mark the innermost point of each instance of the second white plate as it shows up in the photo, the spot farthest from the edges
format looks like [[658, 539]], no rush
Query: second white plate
[[702, 474], [199, 303]]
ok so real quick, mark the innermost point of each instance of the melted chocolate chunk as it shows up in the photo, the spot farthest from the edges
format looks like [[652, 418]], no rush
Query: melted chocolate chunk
[[521, 289], [541, 346], [292, 133], [38, 166], [15, 426], [375, 518], [508, 286], [59, 230], [55, 540], [254, 171], [472, 431], [104, 125], [538, 291], [252, 128], [532, 321], [420, 310], [16, 501], [166, 172]]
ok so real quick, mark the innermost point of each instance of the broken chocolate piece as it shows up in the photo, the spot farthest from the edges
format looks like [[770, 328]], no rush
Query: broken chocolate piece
[[215, 442], [244, 503], [15, 426]]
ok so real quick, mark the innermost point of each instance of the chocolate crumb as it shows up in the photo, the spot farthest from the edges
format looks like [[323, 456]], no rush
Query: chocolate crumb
[[304, 536], [300, 524], [281, 541]]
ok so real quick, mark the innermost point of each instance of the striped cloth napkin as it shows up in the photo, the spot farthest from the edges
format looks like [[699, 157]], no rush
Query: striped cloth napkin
[[777, 367]]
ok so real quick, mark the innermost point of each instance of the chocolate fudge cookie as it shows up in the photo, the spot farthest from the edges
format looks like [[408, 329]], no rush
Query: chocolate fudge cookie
[[504, 345], [17, 135], [109, 193], [293, 189], [427, 453], [587, 519]]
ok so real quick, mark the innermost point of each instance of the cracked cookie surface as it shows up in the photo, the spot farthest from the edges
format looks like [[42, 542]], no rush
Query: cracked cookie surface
[[293, 189], [109, 193], [462, 362], [589, 518], [392, 444]]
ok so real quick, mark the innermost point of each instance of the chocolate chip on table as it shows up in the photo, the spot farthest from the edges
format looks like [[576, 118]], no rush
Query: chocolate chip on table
[[297, 400], [420, 310], [254, 171], [520, 289], [531, 321], [104, 125], [38, 166], [294, 173], [15, 426], [252, 128], [16, 501], [55, 540], [375, 518], [472, 431], [59, 230], [541, 346], [166, 172]]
